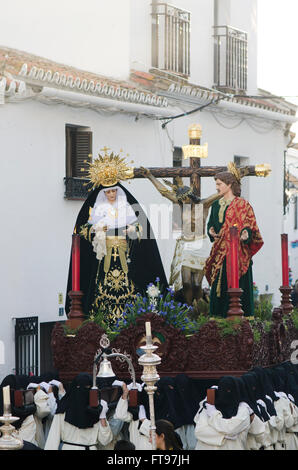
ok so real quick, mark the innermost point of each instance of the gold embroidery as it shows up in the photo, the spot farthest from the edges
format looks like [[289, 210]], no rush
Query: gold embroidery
[[113, 212], [223, 203], [109, 298], [218, 287]]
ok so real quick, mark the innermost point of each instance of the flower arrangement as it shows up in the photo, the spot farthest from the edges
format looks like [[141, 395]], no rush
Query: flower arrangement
[[174, 313]]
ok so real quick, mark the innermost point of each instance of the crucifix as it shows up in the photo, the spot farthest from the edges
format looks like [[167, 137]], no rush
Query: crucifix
[[188, 273], [187, 269]]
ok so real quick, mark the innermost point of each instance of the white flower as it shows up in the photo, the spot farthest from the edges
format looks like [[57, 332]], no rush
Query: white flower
[[153, 291]]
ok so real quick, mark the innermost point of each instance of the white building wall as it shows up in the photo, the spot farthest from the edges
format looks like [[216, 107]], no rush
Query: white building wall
[[38, 220], [92, 35], [289, 219]]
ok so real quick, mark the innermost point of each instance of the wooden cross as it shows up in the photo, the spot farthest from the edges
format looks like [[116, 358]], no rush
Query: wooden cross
[[195, 171]]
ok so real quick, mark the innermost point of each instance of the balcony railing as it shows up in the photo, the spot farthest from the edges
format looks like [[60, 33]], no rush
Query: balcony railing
[[230, 59], [76, 188], [170, 38]]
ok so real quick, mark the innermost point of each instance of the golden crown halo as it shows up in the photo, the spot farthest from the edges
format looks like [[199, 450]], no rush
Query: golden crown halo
[[108, 169], [234, 170]]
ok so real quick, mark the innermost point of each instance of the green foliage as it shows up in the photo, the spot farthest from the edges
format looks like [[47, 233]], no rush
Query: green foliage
[[267, 325], [257, 335], [200, 307], [294, 315], [228, 327], [99, 319], [263, 310], [70, 331], [202, 320]]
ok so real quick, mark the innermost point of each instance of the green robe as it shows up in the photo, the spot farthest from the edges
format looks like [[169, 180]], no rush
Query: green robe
[[219, 305]]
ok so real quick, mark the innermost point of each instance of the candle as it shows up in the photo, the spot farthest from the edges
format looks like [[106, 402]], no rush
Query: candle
[[6, 400], [148, 329], [75, 262], [233, 258], [285, 259]]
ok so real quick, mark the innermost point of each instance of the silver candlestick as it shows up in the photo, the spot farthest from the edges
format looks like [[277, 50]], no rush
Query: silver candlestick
[[8, 441], [149, 361]]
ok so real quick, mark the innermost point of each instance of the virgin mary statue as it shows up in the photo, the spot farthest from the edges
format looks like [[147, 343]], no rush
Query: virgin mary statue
[[119, 256]]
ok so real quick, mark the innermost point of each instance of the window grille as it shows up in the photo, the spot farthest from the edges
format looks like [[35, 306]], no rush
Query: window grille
[[170, 38], [26, 345], [230, 59]]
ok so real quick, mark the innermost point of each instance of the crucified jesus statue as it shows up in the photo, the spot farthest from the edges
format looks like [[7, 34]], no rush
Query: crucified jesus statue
[[192, 247]]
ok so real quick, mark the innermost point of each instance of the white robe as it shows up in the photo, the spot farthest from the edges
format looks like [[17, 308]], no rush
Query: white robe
[[31, 429], [217, 433], [291, 435], [256, 434], [63, 431], [43, 409], [115, 426], [187, 435], [284, 411], [139, 437], [27, 431], [53, 407]]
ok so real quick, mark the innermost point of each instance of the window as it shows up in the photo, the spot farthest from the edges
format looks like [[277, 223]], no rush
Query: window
[[230, 59], [78, 154], [170, 38], [26, 344], [243, 161], [177, 157]]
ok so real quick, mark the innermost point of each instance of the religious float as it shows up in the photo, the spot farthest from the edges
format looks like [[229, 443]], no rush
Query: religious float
[[106, 268]]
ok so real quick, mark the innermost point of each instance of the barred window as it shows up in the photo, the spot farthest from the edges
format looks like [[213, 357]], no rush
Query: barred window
[[78, 154], [230, 59], [170, 38], [26, 345]]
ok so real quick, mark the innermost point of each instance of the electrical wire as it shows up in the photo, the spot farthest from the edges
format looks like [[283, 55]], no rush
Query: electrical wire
[[221, 97], [170, 119]]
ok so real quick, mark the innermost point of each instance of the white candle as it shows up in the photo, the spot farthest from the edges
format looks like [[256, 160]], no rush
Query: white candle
[[148, 328], [6, 400]]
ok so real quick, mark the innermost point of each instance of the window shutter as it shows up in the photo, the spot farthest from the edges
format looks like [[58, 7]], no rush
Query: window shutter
[[81, 149]]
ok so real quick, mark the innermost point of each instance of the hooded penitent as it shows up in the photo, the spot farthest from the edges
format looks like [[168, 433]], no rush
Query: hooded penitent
[[75, 404], [228, 396], [249, 395], [291, 381], [17, 382], [265, 390], [186, 400], [164, 401]]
